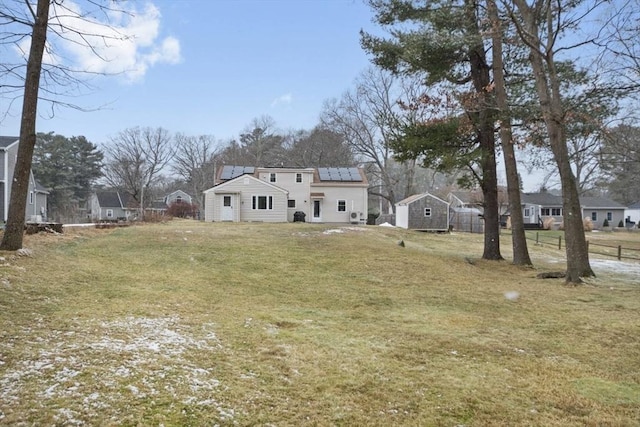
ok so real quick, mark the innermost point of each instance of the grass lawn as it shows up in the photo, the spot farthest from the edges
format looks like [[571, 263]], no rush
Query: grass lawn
[[190, 323]]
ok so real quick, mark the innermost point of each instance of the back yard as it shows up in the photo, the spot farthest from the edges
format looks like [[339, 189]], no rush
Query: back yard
[[187, 323]]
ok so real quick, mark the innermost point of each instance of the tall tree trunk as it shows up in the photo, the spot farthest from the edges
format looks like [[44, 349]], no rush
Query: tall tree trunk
[[548, 90], [518, 237], [14, 230], [483, 121]]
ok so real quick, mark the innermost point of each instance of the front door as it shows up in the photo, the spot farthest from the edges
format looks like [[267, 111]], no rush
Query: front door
[[317, 213], [227, 208]]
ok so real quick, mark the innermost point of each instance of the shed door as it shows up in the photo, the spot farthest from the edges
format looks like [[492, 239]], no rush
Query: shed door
[[227, 208]]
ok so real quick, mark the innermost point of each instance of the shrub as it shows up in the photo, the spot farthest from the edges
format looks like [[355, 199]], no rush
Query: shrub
[[182, 210], [605, 223], [621, 224]]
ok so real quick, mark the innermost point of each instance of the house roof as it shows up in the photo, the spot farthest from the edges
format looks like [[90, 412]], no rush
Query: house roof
[[109, 199], [323, 175], [416, 197], [469, 197], [542, 199], [113, 199], [221, 186], [548, 199], [40, 188], [635, 205], [600, 202], [6, 141]]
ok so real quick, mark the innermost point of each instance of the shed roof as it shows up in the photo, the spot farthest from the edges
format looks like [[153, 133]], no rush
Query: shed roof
[[416, 197]]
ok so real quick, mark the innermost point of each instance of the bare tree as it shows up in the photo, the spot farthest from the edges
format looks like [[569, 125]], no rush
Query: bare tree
[[43, 75], [195, 162], [136, 158], [518, 237], [539, 25], [369, 118], [262, 143], [14, 229], [317, 148]]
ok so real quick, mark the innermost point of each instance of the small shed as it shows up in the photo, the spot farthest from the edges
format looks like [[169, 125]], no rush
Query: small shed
[[423, 212]]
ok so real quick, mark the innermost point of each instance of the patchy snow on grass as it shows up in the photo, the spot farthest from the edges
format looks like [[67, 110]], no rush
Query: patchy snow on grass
[[94, 372], [343, 230]]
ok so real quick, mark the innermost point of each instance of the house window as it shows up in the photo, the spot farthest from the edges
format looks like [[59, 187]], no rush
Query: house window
[[298, 177], [31, 197], [262, 202], [291, 203], [609, 216], [179, 199], [556, 212], [544, 211], [594, 216], [527, 212], [272, 177], [109, 213], [427, 212], [342, 205], [226, 201]]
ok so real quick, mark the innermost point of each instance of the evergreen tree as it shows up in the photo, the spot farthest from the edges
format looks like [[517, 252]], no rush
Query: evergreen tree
[[443, 41], [67, 167]]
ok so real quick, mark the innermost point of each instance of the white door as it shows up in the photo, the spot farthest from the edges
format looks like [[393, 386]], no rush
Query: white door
[[227, 208], [317, 212]]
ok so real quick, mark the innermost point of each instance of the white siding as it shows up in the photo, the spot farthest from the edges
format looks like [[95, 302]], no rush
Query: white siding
[[402, 216], [356, 199], [243, 189], [298, 191]]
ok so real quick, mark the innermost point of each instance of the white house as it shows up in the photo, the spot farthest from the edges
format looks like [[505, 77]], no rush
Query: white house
[[335, 195], [632, 214]]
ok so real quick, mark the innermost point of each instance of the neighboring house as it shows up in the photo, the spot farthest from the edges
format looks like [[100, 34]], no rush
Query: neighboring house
[[601, 208], [110, 206], [423, 212], [245, 193], [36, 208], [466, 199], [632, 214], [474, 199], [177, 196], [159, 207], [537, 207]]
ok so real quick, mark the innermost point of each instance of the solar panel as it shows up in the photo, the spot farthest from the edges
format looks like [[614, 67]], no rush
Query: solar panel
[[230, 172], [339, 174]]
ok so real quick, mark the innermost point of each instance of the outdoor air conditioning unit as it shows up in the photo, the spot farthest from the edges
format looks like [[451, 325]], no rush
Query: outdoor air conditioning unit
[[354, 217]]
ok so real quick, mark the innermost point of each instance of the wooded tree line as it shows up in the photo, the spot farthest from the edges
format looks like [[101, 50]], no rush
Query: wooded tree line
[[456, 84]]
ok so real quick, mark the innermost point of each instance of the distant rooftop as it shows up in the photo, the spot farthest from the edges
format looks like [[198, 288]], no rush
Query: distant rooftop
[[6, 141]]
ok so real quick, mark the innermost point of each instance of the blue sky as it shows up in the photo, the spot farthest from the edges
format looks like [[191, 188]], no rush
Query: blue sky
[[231, 61]]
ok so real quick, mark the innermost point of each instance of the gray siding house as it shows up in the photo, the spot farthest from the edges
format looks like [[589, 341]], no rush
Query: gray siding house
[[537, 207], [110, 206], [36, 209], [423, 212]]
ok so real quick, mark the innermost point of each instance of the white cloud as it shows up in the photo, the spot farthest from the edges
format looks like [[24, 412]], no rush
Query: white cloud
[[126, 43], [285, 99]]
